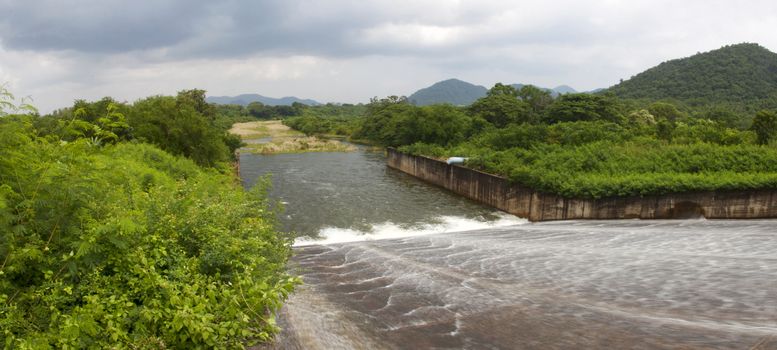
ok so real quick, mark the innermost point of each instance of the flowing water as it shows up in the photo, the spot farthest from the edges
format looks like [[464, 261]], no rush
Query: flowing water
[[349, 196], [491, 281]]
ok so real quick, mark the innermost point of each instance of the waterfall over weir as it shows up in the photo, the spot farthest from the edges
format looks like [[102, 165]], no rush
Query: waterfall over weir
[[562, 285]]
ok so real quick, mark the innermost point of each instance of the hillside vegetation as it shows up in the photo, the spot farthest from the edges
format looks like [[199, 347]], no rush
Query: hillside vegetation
[[743, 74], [452, 91], [461, 93]]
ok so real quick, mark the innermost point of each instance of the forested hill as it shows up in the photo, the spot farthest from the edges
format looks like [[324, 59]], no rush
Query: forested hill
[[735, 73], [453, 91], [462, 93]]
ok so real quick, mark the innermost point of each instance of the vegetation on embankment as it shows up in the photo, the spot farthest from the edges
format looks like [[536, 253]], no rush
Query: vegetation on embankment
[[579, 145], [273, 137], [122, 227], [637, 167]]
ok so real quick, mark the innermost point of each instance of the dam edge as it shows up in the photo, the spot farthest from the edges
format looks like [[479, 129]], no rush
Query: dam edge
[[534, 205]]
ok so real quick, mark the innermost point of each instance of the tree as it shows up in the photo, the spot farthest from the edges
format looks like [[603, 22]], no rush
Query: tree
[[381, 113], [765, 126], [196, 99], [501, 89], [641, 118], [584, 107], [726, 116], [501, 107], [538, 99], [665, 129], [179, 129], [377, 104], [435, 124], [666, 110], [91, 111]]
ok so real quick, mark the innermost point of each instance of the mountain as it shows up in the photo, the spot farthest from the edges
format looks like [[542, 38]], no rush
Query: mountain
[[564, 89], [735, 73], [453, 91], [462, 93], [246, 99]]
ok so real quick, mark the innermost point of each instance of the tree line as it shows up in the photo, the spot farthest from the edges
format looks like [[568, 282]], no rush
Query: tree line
[[579, 145]]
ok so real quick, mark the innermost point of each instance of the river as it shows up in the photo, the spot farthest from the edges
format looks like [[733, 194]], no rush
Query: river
[[332, 197], [455, 274]]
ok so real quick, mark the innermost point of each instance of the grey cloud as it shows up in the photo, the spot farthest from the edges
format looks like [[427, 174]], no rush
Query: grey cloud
[[201, 28], [95, 26], [65, 47]]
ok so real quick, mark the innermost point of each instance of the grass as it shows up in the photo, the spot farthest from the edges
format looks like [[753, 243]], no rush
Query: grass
[[283, 139]]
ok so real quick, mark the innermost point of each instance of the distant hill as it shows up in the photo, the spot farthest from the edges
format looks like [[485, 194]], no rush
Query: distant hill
[[453, 91], [246, 99], [735, 73], [462, 93], [564, 89]]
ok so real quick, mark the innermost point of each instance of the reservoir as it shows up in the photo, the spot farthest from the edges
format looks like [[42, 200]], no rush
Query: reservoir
[[452, 274]]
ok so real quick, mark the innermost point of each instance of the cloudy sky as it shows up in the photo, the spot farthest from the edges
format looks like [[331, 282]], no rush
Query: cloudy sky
[[350, 50]]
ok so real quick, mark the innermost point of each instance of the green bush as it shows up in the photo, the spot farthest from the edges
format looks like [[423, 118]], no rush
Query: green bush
[[126, 246], [638, 167]]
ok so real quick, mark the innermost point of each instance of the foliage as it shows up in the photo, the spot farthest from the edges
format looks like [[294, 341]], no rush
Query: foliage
[[226, 115], [637, 167], [394, 122], [584, 107], [264, 112], [521, 136], [726, 116], [127, 246], [340, 111], [668, 111], [8, 104], [315, 125], [178, 128], [743, 74], [600, 158], [501, 106], [537, 99], [183, 125], [765, 126]]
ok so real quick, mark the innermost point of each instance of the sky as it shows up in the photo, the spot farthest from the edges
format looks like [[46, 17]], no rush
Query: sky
[[56, 51]]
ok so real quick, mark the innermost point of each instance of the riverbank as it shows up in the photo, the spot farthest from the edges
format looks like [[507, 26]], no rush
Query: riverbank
[[272, 137], [529, 203]]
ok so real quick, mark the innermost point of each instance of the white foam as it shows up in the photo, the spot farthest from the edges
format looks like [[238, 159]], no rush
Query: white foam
[[389, 230]]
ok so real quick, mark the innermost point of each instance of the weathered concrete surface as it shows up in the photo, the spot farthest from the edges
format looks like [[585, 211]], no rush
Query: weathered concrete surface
[[618, 284], [537, 206]]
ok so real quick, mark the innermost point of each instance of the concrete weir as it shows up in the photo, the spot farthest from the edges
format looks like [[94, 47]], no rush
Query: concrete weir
[[525, 202]]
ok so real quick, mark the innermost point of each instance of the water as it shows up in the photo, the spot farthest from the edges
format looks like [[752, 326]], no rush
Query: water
[[351, 196], [563, 285], [491, 281]]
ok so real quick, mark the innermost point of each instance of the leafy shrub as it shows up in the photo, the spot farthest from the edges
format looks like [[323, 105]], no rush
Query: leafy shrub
[[126, 246], [637, 167]]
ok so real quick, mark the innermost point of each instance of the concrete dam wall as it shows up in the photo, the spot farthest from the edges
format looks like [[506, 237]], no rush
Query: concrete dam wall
[[538, 206]]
